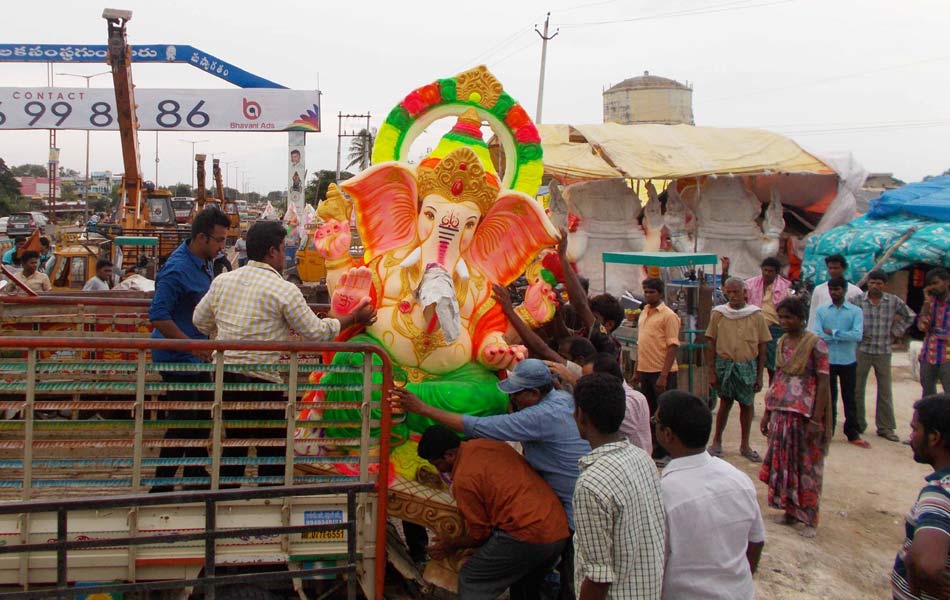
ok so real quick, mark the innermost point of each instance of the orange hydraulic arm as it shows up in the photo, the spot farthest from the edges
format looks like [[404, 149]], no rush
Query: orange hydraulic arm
[[216, 171], [131, 211], [201, 192]]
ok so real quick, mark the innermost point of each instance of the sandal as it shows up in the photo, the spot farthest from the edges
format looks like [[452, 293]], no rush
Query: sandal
[[715, 451], [860, 443], [751, 454], [889, 436]]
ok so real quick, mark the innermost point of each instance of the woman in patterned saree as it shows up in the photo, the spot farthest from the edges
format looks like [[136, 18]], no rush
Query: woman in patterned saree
[[797, 414]]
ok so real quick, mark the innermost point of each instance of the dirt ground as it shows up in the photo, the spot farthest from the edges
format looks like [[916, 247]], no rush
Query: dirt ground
[[865, 496]]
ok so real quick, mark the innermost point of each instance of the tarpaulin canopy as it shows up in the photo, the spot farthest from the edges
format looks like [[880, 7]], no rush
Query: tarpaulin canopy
[[925, 199], [864, 241], [670, 151]]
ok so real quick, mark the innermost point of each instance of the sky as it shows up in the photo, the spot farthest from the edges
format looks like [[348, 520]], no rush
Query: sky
[[860, 76]]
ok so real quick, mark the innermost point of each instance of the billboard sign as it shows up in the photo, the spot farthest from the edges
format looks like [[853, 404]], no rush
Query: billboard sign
[[154, 53], [93, 109]]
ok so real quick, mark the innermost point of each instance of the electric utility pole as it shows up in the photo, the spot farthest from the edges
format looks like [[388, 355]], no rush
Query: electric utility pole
[[341, 133], [544, 54]]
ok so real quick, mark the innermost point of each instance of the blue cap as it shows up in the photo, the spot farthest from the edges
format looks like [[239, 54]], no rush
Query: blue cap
[[529, 374]]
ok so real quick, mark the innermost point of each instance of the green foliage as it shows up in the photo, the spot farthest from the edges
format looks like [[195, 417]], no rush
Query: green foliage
[[9, 190], [274, 196], [181, 189], [361, 147], [67, 192], [317, 186], [29, 170]]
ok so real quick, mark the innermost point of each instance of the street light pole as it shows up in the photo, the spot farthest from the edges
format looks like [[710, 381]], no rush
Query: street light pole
[[227, 173], [85, 185], [192, 167]]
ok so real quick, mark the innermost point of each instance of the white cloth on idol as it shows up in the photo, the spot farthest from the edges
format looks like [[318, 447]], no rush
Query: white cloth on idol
[[438, 288]]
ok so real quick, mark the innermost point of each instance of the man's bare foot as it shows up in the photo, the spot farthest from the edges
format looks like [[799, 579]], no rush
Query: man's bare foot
[[715, 450]]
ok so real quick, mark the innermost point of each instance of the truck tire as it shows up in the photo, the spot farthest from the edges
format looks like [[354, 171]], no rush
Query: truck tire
[[244, 592]]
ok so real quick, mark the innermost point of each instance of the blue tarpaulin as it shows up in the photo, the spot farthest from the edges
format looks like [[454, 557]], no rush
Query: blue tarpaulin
[[929, 199], [924, 206]]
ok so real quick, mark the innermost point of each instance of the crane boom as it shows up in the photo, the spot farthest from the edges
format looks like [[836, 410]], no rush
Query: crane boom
[[120, 60]]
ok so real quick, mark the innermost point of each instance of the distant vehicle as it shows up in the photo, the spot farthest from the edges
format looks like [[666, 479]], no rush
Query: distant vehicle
[[3, 225], [184, 206], [23, 224]]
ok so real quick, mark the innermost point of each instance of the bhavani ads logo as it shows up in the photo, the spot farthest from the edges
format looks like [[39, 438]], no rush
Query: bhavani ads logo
[[252, 112]]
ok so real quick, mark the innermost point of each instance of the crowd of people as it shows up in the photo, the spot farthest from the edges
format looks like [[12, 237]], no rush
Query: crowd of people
[[619, 486], [692, 528]]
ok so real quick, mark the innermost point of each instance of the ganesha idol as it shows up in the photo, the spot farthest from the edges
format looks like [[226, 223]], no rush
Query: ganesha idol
[[436, 236]]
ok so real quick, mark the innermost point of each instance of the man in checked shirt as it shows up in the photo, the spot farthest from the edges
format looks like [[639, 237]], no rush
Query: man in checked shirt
[[885, 318], [255, 303]]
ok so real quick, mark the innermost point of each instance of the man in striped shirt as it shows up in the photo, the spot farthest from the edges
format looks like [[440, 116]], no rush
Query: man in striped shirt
[[922, 567], [618, 512]]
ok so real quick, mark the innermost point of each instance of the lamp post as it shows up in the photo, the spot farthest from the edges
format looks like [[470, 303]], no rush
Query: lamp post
[[85, 185], [192, 167], [227, 173]]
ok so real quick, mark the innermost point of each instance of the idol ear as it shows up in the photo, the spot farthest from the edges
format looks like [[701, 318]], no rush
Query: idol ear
[[509, 237], [386, 207]]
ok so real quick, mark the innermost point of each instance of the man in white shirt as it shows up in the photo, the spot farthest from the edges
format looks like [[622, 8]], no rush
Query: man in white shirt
[[103, 279], [836, 265], [715, 533]]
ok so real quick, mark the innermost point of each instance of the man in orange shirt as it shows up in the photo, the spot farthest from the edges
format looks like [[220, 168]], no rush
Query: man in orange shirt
[[657, 342], [514, 518]]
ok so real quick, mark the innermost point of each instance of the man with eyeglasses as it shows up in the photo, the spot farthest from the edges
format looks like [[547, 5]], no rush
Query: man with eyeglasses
[[182, 282]]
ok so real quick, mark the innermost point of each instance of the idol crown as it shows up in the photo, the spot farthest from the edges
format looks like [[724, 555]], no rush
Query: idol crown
[[459, 177]]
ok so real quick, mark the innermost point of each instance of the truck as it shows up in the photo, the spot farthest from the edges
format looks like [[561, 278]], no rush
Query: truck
[[76, 515]]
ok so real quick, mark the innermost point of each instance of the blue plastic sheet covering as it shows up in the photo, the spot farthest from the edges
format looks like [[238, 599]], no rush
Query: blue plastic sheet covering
[[929, 199], [865, 240]]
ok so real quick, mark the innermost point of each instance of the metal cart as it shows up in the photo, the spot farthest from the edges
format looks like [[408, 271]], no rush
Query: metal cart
[[692, 342]]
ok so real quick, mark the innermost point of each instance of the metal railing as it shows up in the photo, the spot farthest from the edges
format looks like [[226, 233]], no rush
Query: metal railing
[[51, 375], [210, 580]]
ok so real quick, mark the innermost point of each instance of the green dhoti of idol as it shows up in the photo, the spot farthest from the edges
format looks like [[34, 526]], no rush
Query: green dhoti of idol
[[471, 389]]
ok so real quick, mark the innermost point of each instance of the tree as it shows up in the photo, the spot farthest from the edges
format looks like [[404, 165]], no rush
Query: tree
[[230, 193], [180, 189], [944, 174], [317, 187], [275, 196], [64, 172], [29, 170], [9, 190], [67, 191], [360, 148]]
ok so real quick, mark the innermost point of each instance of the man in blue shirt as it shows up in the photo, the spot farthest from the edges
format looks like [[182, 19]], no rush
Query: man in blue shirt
[[841, 325], [180, 285], [542, 419], [9, 257]]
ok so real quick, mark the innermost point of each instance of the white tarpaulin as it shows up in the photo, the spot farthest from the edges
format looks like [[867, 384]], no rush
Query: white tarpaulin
[[161, 109]]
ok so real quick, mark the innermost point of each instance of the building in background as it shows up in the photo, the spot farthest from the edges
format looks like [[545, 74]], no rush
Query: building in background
[[649, 99]]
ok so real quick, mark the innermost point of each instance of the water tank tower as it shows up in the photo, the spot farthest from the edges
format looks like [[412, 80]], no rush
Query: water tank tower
[[649, 99]]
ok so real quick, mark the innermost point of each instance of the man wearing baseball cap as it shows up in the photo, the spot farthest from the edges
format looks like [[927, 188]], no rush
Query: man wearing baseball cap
[[541, 418]]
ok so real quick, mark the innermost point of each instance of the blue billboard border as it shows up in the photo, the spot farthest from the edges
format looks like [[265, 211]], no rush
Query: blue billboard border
[[152, 53]]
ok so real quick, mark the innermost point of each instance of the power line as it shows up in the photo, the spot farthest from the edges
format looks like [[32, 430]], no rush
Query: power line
[[580, 6], [871, 128], [829, 79], [724, 7], [530, 43], [482, 57]]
